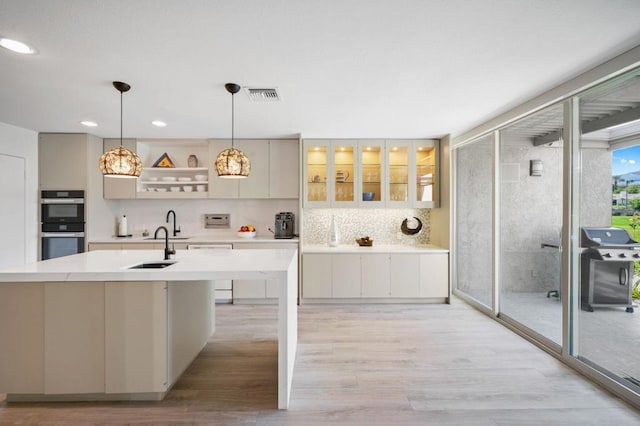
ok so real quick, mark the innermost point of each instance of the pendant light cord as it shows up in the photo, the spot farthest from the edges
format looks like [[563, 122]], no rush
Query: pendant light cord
[[120, 118], [232, 113]]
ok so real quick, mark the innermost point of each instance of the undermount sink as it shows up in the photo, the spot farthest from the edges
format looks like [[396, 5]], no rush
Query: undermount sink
[[170, 238], [151, 265]]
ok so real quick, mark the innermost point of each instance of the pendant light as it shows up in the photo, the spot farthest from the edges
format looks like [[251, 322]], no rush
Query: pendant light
[[232, 163], [120, 162]]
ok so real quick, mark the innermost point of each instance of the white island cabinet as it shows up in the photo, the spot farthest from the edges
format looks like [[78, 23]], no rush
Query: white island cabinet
[[87, 327]]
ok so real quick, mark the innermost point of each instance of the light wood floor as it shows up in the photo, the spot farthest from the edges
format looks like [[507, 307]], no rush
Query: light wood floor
[[362, 365]]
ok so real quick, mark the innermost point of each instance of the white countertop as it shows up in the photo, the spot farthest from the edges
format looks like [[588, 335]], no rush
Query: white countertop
[[195, 239], [112, 265], [390, 248]]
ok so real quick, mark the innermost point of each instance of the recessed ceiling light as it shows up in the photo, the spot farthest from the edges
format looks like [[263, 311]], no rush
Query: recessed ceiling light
[[17, 46], [89, 123], [159, 123]]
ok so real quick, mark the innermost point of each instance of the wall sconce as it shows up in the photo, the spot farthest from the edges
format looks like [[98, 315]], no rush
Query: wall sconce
[[535, 167]]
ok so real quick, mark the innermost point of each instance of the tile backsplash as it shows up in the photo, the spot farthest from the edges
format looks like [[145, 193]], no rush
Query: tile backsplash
[[382, 225]]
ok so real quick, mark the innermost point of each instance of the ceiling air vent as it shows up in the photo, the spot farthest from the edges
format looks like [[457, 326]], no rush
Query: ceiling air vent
[[263, 94]]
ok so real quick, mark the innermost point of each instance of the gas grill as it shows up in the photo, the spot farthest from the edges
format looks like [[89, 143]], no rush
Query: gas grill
[[607, 268]]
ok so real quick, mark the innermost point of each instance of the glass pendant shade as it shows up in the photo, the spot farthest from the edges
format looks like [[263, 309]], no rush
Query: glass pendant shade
[[232, 163], [120, 162]]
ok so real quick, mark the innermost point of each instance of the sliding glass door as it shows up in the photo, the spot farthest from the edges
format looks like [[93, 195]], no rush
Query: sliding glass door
[[473, 222], [531, 222], [607, 322]]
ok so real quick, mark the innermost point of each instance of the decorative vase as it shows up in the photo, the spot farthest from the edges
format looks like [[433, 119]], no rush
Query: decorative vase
[[334, 235], [192, 161]]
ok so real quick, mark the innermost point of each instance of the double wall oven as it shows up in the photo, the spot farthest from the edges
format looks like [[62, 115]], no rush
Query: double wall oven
[[63, 221]]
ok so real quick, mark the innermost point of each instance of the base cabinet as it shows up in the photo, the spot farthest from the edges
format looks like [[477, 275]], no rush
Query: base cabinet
[[22, 354], [405, 270], [136, 361], [112, 340], [346, 279], [317, 276], [74, 345], [375, 276], [257, 291]]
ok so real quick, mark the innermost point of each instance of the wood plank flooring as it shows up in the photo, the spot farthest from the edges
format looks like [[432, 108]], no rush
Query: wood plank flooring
[[361, 365]]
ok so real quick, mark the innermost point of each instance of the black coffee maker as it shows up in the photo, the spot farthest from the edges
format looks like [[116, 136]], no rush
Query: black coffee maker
[[285, 225]]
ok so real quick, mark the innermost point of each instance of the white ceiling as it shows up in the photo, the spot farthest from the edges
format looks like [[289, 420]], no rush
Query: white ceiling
[[344, 68]]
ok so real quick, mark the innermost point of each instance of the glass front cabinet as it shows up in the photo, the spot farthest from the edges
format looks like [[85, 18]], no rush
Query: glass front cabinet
[[370, 173], [316, 186], [426, 190], [372, 190]]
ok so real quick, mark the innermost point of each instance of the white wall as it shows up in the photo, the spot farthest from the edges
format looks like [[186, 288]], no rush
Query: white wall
[[23, 143]]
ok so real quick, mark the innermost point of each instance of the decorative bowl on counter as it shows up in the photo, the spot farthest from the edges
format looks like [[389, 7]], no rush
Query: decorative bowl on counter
[[246, 234], [364, 242]]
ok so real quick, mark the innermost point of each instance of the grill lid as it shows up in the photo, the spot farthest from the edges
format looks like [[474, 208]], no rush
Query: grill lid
[[607, 237]]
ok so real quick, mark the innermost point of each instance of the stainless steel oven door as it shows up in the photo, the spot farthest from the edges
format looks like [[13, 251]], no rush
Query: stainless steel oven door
[[69, 210], [58, 244]]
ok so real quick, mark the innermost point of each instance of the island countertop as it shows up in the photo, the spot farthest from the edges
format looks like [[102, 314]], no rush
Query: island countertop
[[113, 265], [40, 310]]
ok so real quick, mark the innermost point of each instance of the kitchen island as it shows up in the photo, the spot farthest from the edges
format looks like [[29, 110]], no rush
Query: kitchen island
[[89, 327]]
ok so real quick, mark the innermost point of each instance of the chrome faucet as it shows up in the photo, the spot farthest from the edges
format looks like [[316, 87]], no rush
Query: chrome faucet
[[167, 252], [175, 231]]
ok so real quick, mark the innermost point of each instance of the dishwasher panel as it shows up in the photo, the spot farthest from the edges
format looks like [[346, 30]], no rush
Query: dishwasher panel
[[223, 288]]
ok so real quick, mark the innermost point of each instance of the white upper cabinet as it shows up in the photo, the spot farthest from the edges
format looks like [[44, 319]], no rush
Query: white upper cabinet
[[371, 189], [343, 167], [316, 178], [63, 160], [370, 173], [275, 166], [398, 164], [284, 168], [426, 183], [274, 172], [256, 185]]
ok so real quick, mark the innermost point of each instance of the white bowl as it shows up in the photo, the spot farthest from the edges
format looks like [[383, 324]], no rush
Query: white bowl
[[152, 178], [201, 188], [184, 179], [169, 178], [200, 178], [246, 234], [161, 189], [187, 188], [175, 189]]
